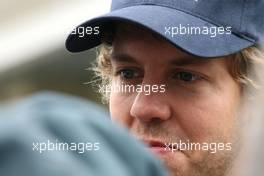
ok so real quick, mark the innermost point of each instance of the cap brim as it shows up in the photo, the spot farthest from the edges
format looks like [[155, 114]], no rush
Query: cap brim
[[156, 19]]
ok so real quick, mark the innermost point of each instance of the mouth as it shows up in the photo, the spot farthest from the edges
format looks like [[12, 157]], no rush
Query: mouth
[[158, 147]]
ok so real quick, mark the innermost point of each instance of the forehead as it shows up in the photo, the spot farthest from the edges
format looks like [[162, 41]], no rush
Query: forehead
[[135, 39], [137, 44]]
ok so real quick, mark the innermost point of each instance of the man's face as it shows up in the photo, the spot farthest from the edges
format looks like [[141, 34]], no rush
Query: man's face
[[199, 104]]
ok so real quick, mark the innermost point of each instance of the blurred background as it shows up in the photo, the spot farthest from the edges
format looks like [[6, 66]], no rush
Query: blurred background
[[32, 54]]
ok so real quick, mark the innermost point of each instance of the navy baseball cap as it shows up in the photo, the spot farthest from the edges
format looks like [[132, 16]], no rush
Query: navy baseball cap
[[204, 28]]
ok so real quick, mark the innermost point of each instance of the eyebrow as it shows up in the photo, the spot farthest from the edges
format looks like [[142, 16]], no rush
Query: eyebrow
[[185, 61], [181, 61], [120, 57]]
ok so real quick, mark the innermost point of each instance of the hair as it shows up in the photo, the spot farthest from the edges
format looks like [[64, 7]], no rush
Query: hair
[[243, 65]]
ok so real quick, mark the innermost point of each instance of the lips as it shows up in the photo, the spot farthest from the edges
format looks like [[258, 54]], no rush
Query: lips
[[156, 144], [158, 147]]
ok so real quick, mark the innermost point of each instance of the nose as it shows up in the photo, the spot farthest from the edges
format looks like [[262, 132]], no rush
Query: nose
[[149, 107]]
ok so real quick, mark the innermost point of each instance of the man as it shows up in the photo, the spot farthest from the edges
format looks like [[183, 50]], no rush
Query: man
[[178, 72]]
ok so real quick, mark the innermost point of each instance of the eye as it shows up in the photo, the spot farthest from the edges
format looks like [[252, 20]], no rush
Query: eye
[[128, 73], [187, 76]]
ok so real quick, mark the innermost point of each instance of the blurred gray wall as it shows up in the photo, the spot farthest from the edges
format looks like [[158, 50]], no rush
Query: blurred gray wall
[[32, 51]]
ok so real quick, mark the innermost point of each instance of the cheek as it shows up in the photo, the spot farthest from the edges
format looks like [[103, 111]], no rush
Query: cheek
[[212, 116], [119, 106]]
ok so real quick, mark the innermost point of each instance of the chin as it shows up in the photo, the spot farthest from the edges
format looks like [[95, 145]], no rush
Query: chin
[[177, 163]]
